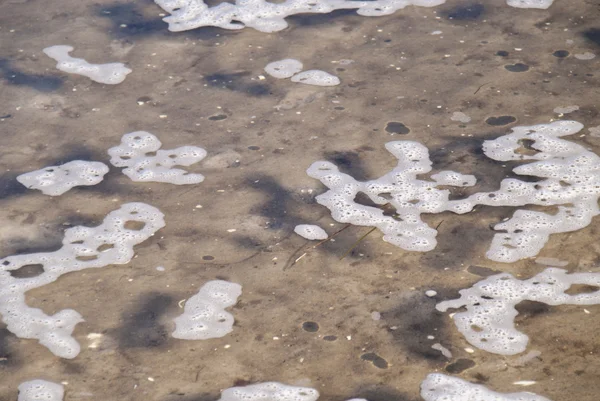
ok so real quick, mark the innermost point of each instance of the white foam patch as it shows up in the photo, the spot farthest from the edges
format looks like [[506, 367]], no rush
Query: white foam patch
[[565, 109], [440, 387], [401, 188], [310, 232], [111, 73], [488, 322], [144, 161], [284, 68], [585, 56], [37, 390], [56, 180], [269, 391], [541, 4], [460, 117], [570, 180], [266, 16], [204, 315], [83, 247], [316, 77]]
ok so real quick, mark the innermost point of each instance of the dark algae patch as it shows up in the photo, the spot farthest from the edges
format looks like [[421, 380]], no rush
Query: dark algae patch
[[397, 128], [311, 327], [518, 67], [561, 53], [375, 359], [460, 366], [499, 121]]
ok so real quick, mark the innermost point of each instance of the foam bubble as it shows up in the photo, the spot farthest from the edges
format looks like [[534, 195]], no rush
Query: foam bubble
[[284, 68], [440, 387], [310, 232], [204, 315], [140, 153], [316, 77], [36, 390], [269, 391], [83, 247], [56, 180], [111, 73], [488, 322]]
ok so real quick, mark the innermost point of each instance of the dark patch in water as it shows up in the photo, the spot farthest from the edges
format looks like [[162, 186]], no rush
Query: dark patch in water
[[41, 83], [375, 359], [208, 257], [237, 82], [311, 19], [349, 163], [397, 128], [465, 12], [8, 358], [593, 35], [460, 366], [518, 67], [501, 120], [27, 271], [142, 325], [311, 327], [330, 338], [217, 117], [502, 53], [414, 318], [482, 271], [379, 392], [528, 309], [10, 187], [71, 368], [279, 201], [561, 53]]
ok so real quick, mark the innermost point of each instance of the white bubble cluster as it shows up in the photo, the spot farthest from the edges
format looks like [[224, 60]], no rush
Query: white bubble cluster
[[570, 180], [269, 391], [285, 68], [310, 231], [542, 4], [488, 322], [266, 16], [204, 315], [316, 78], [140, 154], [111, 73], [401, 188], [83, 247], [440, 387], [56, 180], [40, 390]]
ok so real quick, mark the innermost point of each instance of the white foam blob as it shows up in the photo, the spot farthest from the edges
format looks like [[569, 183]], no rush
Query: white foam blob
[[111, 73], [440, 387], [542, 4], [310, 231], [460, 117], [316, 77], [266, 16], [56, 180], [144, 161], [36, 390], [284, 68], [565, 109], [570, 180], [83, 247], [204, 315], [585, 56], [488, 322], [269, 391]]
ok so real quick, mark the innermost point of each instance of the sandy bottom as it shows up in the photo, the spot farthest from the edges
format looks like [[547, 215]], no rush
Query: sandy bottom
[[204, 88]]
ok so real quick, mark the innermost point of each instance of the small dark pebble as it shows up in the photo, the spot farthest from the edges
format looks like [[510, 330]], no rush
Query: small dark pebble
[[208, 257], [377, 361], [6, 116], [311, 327], [330, 338], [519, 67], [339, 108], [253, 147], [460, 366], [218, 117], [397, 128], [561, 53], [502, 53], [502, 120], [340, 69]]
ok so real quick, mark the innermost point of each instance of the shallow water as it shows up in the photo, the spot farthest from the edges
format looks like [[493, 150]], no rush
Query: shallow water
[[203, 88]]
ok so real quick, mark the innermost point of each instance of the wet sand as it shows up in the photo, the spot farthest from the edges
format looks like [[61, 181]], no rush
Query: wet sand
[[203, 88]]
